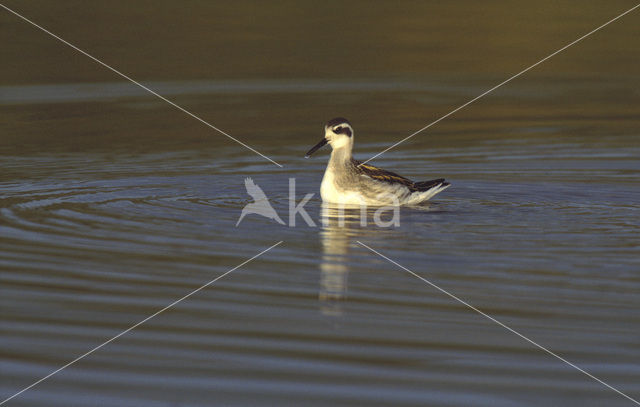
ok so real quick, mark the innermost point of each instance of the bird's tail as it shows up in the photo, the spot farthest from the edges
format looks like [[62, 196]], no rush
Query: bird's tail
[[426, 194], [427, 185]]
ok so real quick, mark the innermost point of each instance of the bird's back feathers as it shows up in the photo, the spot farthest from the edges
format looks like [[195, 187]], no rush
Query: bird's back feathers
[[391, 177]]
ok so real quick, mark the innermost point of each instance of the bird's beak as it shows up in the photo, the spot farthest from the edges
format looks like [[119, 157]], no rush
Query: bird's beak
[[316, 147]]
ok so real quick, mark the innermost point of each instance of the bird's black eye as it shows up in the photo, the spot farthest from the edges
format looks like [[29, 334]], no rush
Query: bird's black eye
[[337, 129]]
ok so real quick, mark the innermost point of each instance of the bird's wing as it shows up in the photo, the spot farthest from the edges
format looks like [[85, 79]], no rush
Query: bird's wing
[[382, 175], [255, 191]]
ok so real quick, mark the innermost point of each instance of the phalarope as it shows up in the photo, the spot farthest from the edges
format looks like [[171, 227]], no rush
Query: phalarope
[[348, 181]]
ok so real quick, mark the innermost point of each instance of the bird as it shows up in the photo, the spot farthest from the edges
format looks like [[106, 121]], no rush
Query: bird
[[260, 206], [349, 181]]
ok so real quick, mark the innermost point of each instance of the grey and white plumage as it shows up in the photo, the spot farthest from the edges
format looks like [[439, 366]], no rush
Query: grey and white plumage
[[348, 181]]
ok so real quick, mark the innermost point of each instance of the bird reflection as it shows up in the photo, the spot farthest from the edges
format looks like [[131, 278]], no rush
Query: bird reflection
[[333, 270], [341, 226]]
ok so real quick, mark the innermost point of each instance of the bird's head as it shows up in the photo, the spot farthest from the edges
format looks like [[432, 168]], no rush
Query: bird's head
[[338, 133]]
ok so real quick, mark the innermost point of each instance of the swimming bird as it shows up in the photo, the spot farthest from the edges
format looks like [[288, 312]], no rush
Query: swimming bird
[[349, 181], [260, 206]]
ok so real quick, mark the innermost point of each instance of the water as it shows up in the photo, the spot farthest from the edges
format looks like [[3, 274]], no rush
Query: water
[[114, 205]]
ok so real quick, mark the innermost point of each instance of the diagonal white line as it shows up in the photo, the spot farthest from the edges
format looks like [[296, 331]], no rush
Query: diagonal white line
[[502, 83], [140, 85], [139, 323], [442, 290]]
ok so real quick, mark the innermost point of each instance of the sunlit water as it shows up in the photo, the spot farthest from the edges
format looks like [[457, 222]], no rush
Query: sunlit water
[[539, 230]]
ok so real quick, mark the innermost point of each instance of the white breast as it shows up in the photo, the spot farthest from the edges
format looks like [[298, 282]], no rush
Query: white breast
[[328, 190], [332, 193]]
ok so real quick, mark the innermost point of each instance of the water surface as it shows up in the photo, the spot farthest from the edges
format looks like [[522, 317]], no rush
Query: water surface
[[115, 204]]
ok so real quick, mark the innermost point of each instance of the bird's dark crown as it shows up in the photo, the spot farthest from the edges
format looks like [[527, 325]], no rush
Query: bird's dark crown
[[344, 127], [336, 121]]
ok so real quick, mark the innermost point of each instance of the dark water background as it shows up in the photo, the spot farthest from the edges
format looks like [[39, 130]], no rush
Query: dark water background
[[114, 204]]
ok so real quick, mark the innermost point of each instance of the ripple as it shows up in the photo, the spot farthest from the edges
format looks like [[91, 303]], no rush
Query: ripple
[[85, 257]]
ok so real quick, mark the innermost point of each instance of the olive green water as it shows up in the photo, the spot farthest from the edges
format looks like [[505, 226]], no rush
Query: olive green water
[[114, 204]]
